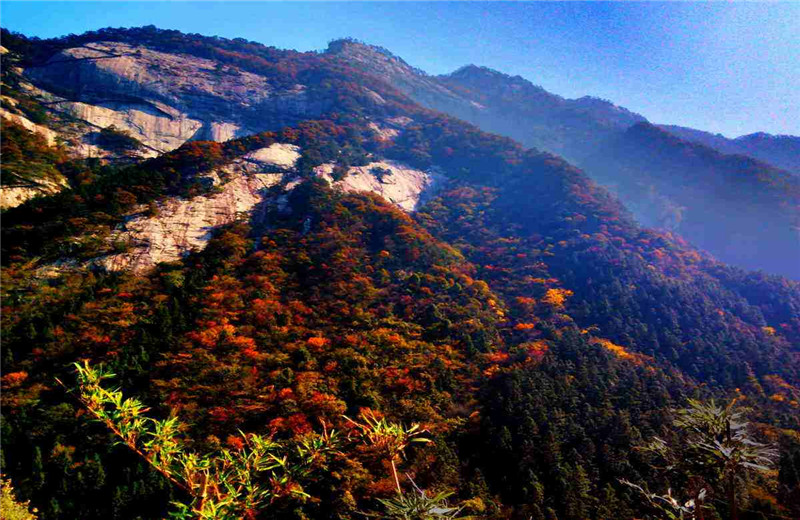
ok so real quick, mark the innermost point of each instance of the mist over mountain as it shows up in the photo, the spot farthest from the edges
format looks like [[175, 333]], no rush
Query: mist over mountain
[[303, 263], [737, 207], [497, 102], [592, 133]]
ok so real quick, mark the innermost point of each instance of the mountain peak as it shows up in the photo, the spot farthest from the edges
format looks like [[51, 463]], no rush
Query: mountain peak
[[757, 136], [373, 57], [348, 44], [485, 76], [477, 70]]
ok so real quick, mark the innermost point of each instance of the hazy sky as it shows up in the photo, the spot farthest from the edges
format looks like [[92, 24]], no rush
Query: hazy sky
[[722, 67]]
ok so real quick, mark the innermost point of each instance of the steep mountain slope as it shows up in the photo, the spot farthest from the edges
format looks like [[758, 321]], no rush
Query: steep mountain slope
[[515, 107], [162, 99], [497, 102], [134, 93], [601, 138], [495, 294], [30, 164], [782, 151]]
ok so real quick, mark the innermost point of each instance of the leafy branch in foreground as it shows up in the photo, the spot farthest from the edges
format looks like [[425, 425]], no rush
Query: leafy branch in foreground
[[669, 505], [387, 438], [235, 484], [227, 484], [418, 505], [391, 440], [714, 455]]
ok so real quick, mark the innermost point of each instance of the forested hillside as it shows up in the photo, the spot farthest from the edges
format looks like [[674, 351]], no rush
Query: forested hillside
[[668, 181], [515, 333]]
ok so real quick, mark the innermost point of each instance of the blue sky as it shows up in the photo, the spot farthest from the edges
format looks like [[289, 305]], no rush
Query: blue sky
[[721, 67]]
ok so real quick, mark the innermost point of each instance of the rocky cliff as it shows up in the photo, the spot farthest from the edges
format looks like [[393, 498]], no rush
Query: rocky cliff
[[176, 226], [17, 191], [165, 99], [394, 181]]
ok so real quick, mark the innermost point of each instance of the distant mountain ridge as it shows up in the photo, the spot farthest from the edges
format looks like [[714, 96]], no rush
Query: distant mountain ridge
[[496, 102], [694, 184], [592, 133], [782, 151]]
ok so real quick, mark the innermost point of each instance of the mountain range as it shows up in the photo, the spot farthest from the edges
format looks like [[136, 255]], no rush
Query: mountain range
[[267, 241], [756, 228], [670, 179]]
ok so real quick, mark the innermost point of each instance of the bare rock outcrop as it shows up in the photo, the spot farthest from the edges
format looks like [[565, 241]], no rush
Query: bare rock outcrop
[[114, 71], [13, 196], [48, 134], [182, 225], [157, 131], [279, 154], [179, 225], [396, 182], [165, 99]]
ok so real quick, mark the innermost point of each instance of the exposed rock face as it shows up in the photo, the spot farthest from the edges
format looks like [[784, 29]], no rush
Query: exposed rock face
[[166, 99], [13, 196], [113, 71], [394, 181], [182, 225], [64, 124], [279, 154], [387, 133], [219, 132], [157, 131], [48, 134]]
